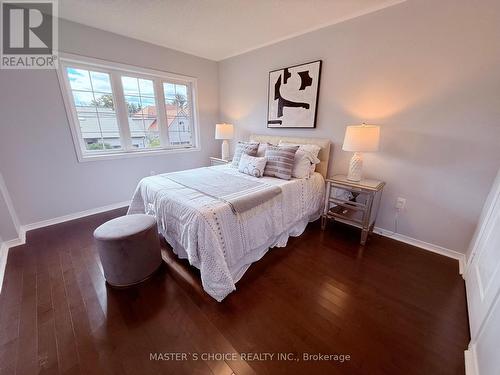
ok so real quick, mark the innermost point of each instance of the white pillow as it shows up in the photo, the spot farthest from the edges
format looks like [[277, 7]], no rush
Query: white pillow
[[314, 149], [252, 165], [305, 161]]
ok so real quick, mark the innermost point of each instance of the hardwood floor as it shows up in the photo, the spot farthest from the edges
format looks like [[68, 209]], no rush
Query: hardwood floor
[[394, 309]]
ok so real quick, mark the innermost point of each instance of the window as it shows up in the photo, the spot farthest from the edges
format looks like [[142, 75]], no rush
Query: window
[[178, 112], [117, 110], [142, 112], [95, 109]]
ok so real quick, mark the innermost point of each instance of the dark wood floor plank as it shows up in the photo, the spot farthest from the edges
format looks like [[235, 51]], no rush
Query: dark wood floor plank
[[27, 354], [88, 355], [10, 310], [392, 307], [68, 361], [47, 347]]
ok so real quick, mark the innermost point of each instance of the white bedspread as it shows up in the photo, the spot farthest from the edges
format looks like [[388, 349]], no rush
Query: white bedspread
[[213, 238]]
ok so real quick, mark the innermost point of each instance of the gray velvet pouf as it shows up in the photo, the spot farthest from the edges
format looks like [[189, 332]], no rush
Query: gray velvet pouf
[[129, 248]]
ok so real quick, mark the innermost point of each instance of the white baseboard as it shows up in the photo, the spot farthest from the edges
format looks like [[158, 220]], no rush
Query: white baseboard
[[471, 361], [4, 250], [64, 218], [21, 240], [460, 257], [3, 261], [4, 192], [61, 219]]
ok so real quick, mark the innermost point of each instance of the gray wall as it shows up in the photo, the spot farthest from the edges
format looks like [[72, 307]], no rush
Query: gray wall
[[37, 156], [428, 73]]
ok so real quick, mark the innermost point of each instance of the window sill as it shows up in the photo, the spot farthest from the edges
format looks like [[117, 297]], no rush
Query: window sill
[[132, 154]]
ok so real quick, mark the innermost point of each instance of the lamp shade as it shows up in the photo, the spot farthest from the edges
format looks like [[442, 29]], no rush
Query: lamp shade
[[224, 131], [361, 138]]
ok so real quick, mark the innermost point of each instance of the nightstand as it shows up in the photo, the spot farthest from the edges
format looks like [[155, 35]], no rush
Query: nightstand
[[354, 203], [218, 161]]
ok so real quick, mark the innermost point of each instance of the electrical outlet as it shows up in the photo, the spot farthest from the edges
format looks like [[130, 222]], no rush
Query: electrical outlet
[[400, 203]]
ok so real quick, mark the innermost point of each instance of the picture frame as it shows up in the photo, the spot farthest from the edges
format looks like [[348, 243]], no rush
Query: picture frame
[[293, 96]]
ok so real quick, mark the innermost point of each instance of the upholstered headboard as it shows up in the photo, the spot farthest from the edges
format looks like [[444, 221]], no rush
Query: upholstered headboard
[[324, 153]]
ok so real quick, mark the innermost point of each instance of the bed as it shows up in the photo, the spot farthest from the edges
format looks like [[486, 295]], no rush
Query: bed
[[221, 241]]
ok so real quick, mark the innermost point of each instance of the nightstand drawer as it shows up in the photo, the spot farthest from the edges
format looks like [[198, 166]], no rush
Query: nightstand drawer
[[348, 204], [351, 189], [339, 194], [346, 214], [352, 205]]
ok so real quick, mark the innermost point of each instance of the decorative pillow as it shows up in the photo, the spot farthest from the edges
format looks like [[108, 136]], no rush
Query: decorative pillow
[[313, 149], [280, 161], [261, 151], [249, 148], [252, 165], [305, 160]]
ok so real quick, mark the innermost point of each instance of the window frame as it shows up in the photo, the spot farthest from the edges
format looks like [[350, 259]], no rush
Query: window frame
[[115, 72]]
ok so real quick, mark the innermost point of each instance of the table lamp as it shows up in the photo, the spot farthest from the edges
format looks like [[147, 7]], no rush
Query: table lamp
[[224, 132], [360, 138]]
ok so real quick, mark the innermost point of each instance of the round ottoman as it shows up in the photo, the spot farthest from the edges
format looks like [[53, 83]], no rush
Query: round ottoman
[[129, 248]]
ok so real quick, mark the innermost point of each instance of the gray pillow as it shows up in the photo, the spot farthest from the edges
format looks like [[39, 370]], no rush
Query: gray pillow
[[249, 148], [280, 161]]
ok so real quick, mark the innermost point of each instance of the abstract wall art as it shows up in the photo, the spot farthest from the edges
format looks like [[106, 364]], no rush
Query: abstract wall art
[[293, 96]]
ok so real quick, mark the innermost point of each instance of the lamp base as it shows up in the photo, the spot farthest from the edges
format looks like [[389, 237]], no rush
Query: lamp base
[[355, 167], [225, 150]]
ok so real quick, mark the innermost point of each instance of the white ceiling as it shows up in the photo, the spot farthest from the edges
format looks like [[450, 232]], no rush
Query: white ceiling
[[214, 29]]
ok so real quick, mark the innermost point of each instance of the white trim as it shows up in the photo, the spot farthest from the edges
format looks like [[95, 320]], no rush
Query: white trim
[[486, 215], [21, 240], [471, 361], [4, 250], [76, 215], [311, 29], [116, 70], [8, 202], [14, 242], [426, 246], [3, 261], [124, 155]]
